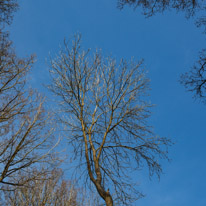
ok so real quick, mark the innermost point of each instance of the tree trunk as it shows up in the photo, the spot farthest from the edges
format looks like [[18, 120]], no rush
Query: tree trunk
[[109, 201], [106, 196]]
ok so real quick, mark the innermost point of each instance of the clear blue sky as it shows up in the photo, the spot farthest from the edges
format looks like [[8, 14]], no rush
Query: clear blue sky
[[169, 45]]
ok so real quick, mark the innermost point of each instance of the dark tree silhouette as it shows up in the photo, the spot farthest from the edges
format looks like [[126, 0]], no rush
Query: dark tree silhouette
[[150, 8], [195, 80], [7, 8]]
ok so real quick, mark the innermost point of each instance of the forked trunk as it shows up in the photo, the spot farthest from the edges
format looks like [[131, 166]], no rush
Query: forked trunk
[[106, 196]]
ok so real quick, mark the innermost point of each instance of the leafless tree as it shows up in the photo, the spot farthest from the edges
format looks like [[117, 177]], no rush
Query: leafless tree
[[105, 112], [150, 8], [49, 190], [7, 8], [25, 129], [195, 80]]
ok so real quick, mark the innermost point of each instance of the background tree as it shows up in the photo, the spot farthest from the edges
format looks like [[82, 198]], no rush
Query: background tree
[[195, 79], [150, 8], [25, 129], [7, 8], [49, 190], [105, 114]]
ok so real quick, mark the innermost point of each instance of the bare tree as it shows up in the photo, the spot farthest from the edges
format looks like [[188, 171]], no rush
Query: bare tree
[[150, 8], [24, 125], [49, 190], [25, 129], [104, 110], [195, 80], [7, 8]]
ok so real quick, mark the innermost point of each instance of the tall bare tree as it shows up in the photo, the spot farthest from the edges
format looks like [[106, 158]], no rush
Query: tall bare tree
[[105, 112]]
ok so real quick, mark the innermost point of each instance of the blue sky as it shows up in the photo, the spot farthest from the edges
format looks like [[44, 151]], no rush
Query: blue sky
[[168, 43]]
